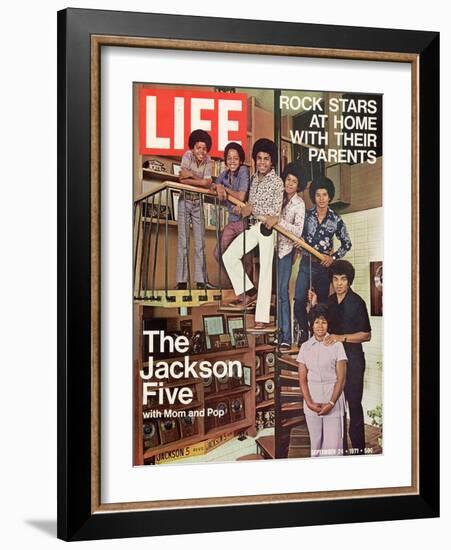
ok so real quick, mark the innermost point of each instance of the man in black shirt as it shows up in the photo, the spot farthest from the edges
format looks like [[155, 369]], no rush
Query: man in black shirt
[[349, 323]]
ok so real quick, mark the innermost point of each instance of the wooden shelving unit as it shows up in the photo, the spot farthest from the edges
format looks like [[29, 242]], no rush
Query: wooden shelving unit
[[265, 407], [227, 428], [263, 377], [149, 453], [264, 347], [289, 402], [201, 400], [227, 393], [165, 303]]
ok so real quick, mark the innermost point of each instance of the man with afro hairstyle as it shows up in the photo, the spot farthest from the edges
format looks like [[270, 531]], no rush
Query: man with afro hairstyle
[[233, 181], [349, 324], [263, 209], [321, 225], [292, 219], [195, 170]]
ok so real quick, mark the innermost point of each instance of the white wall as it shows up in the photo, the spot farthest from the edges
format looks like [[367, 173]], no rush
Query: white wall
[[366, 232], [28, 296]]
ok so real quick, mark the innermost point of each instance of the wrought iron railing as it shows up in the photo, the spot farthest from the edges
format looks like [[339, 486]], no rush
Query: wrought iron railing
[[154, 214], [152, 220]]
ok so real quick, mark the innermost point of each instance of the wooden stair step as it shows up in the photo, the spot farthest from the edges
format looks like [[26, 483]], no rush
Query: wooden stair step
[[300, 440], [264, 347], [288, 422], [291, 406], [300, 430], [298, 452], [238, 310], [287, 391], [178, 298], [291, 351], [286, 396], [288, 360], [289, 368], [264, 404], [299, 444], [267, 330], [288, 375]]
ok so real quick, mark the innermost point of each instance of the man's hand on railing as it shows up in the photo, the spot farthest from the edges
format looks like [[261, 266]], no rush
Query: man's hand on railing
[[220, 190], [297, 244], [271, 221], [185, 173]]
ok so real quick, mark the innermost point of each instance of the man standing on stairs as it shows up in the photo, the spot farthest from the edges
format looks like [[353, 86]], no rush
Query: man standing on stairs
[[322, 224], [349, 323], [195, 170], [263, 209]]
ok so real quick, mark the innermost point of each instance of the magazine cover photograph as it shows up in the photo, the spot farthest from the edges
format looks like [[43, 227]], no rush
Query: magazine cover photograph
[[258, 274]]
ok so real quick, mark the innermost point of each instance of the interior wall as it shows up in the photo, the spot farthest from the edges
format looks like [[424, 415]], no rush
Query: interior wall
[[366, 231]]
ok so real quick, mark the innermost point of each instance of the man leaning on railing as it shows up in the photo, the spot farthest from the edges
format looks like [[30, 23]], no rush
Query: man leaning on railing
[[196, 168]]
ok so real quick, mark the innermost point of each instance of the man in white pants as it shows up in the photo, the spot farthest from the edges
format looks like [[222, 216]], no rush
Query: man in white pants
[[264, 206]]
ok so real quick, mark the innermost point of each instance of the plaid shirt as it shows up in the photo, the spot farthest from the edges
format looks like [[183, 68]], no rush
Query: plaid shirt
[[266, 195], [321, 235]]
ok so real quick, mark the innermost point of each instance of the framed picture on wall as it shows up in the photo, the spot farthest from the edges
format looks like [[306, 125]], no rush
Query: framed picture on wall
[[214, 325], [175, 196], [335, 93], [376, 282], [235, 325], [176, 168]]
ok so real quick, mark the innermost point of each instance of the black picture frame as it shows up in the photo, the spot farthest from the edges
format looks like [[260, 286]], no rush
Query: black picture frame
[[78, 314], [217, 316], [230, 329], [176, 167]]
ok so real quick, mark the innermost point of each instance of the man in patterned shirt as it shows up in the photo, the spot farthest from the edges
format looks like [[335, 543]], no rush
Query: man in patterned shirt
[[292, 219], [321, 224], [265, 203]]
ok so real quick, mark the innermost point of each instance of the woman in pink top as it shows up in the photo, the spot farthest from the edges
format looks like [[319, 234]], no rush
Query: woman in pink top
[[322, 375]]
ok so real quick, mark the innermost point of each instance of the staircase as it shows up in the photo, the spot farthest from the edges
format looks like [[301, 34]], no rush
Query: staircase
[[290, 419]]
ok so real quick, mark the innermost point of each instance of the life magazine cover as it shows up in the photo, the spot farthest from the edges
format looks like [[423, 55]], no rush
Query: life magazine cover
[[258, 274]]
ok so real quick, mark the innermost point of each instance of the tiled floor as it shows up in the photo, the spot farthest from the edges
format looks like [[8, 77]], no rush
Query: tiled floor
[[231, 450]]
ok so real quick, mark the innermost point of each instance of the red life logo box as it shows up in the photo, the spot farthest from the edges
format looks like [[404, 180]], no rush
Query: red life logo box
[[168, 116]]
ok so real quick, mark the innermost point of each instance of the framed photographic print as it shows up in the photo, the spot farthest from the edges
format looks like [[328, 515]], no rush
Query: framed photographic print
[[328, 136], [176, 168], [376, 284], [236, 323], [214, 325], [175, 195], [247, 374]]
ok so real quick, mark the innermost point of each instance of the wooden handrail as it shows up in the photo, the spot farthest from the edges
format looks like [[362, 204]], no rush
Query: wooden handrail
[[236, 202], [178, 186], [285, 232]]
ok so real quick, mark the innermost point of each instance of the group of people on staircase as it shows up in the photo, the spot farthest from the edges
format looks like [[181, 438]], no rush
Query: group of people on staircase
[[331, 326]]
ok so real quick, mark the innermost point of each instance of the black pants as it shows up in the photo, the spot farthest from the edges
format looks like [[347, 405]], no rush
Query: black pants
[[353, 394]]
